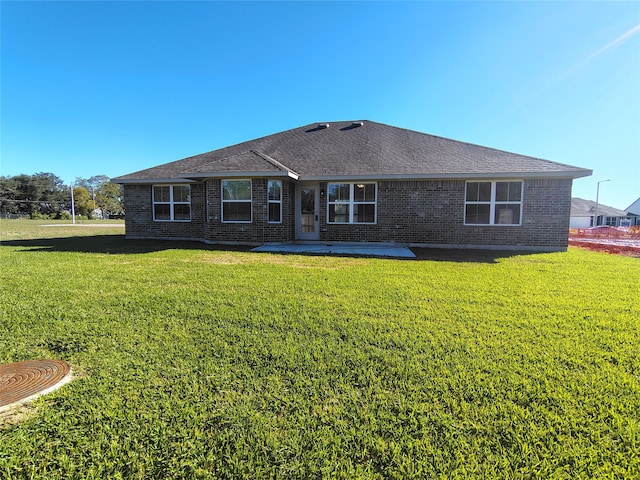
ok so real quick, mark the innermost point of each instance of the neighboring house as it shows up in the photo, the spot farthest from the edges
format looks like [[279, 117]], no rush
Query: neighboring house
[[98, 214], [633, 212], [355, 182], [583, 212]]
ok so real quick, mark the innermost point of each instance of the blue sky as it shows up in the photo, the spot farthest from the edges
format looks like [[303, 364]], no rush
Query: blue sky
[[109, 88]]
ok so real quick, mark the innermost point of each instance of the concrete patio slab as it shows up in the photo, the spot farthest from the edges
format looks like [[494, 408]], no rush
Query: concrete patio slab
[[368, 250]]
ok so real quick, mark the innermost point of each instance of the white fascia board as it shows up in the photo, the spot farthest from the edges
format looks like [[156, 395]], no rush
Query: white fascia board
[[444, 176], [187, 178], [151, 181]]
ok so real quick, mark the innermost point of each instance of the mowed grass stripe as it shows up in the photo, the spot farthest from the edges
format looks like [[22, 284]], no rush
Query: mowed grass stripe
[[204, 363]]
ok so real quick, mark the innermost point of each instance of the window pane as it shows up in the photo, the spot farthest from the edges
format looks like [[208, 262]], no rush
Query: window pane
[[181, 212], [236, 189], [181, 193], [370, 192], [162, 211], [477, 214], [307, 222], [274, 212], [161, 194], [478, 191], [274, 189], [364, 192], [502, 191], [339, 213], [484, 191], [472, 191], [338, 192], [364, 213], [308, 200], [508, 191], [515, 191], [236, 211], [507, 214]]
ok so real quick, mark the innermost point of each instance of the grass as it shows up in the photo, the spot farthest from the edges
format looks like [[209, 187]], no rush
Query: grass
[[197, 362]]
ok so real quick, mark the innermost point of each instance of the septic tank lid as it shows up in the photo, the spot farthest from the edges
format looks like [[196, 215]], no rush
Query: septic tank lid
[[22, 381]]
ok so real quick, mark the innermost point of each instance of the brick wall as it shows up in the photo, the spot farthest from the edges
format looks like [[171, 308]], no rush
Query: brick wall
[[432, 213], [259, 230], [429, 212], [139, 215]]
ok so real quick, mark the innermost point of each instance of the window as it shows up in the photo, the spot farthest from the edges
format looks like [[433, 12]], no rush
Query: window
[[274, 201], [493, 203], [171, 203], [236, 201], [351, 203]]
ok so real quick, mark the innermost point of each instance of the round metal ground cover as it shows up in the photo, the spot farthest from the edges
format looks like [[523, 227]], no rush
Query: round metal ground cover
[[22, 380]]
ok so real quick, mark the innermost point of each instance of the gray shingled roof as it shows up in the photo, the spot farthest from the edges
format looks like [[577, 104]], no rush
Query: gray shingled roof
[[587, 208], [634, 208], [356, 150]]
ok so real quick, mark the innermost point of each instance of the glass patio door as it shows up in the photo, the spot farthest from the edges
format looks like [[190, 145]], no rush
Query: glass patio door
[[308, 212]]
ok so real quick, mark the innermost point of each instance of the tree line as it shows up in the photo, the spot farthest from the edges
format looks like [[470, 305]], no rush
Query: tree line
[[44, 195]]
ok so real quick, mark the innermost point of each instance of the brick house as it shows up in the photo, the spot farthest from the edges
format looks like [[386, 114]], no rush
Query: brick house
[[583, 215], [355, 182]]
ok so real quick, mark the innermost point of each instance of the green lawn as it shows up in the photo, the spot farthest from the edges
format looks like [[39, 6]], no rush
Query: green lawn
[[196, 362]]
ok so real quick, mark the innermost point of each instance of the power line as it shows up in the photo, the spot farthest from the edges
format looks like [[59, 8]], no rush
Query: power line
[[28, 201]]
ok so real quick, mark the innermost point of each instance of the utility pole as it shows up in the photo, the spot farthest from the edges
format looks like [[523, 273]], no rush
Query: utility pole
[[595, 218], [73, 208]]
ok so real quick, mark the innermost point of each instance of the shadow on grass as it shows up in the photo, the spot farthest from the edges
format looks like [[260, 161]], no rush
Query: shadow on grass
[[119, 244], [467, 254], [114, 244]]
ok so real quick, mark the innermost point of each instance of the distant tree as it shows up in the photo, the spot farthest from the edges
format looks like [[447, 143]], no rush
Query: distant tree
[[45, 194], [27, 193], [8, 194], [84, 204], [53, 193], [106, 195], [49, 184], [109, 199], [92, 184], [36, 195]]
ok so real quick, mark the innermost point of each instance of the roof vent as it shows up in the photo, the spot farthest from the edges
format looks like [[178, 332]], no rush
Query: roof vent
[[357, 124], [323, 125]]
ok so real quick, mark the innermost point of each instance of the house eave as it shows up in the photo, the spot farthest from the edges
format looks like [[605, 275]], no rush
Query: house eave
[[198, 177], [445, 176], [140, 181]]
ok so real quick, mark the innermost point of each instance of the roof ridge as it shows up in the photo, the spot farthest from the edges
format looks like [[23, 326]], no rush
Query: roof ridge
[[215, 160], [274, 162]]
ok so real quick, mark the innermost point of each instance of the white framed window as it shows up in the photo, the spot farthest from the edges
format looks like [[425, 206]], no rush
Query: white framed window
[[236, 201], [274, 201], [351, 202], [493, 203], [171, 203]]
